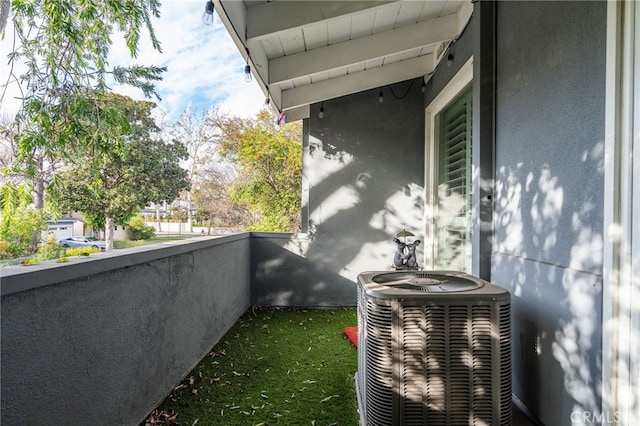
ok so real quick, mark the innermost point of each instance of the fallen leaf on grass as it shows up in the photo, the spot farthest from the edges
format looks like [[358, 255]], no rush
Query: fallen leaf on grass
[[329, 397]]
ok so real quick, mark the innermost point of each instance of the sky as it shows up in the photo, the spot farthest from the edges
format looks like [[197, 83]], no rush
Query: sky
[[204, 66]]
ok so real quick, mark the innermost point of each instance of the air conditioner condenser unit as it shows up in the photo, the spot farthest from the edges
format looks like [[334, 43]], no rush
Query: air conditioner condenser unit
[[434, 348]]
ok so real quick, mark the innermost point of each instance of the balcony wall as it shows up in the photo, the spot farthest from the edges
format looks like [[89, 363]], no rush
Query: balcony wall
[[283, 273], [103, 340]]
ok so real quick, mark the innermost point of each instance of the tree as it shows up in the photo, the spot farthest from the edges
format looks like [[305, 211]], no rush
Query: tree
[[198, 134], [64, 46], [269, 158], [18, 220], [112, 185], [212, 198]]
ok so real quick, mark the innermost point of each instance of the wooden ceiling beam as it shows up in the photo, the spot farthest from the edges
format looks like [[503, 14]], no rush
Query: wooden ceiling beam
[[362, 49], [267, 19]]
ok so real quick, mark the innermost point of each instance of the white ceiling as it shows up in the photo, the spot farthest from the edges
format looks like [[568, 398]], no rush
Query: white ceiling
[[307, 51]]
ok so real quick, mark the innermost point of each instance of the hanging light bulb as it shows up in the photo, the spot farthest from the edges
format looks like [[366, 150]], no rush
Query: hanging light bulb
[[380, 96], [207, 15], [321, 113], [423, 87], [247, 68], [450, 57]]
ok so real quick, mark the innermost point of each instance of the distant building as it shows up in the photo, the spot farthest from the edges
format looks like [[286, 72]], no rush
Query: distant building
[[64, 227]]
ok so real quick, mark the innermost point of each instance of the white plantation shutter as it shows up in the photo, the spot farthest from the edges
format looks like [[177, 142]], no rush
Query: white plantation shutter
[[453, 229]]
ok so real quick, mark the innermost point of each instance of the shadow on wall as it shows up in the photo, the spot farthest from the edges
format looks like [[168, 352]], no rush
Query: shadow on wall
[[548, 253], [364, 162], [283, 276]]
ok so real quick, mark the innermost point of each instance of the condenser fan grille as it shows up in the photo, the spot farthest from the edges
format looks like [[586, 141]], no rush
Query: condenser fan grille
[[426, 282], [431, 359]]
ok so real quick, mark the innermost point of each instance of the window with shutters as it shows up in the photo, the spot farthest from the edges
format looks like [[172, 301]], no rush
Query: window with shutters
[[453, 195], [448, 177]]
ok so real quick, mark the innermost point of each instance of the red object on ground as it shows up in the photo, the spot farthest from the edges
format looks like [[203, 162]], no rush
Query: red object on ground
[[352, 334]]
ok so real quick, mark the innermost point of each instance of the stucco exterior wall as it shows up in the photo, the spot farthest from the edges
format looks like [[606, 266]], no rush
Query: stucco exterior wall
[[364, 175], [282, 274], [550, 90], [103, 340]]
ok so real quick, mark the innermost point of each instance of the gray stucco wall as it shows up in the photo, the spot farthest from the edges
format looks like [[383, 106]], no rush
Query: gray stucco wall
[[364, 171], [103, 340], [283, 275], [549, 199]]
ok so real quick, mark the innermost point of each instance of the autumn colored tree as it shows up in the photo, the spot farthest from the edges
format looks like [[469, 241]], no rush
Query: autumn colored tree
[[215, 208], [269, 161]]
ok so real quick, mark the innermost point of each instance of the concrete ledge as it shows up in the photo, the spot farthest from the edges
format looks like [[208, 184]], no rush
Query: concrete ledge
[[14, 279]]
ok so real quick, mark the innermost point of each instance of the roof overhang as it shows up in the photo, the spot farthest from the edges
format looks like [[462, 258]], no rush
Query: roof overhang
[[306, 51]]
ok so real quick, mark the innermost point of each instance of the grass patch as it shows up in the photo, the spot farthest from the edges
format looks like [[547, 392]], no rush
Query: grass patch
[[157, 239], [121, 244], [273, 367]]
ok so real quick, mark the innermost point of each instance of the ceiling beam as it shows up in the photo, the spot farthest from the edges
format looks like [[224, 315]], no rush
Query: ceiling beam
[[272, 17], [296, 114], [357, 82], [362, 49]]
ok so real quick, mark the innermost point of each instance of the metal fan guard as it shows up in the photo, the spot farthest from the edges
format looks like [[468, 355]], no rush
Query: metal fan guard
[[426, 281]]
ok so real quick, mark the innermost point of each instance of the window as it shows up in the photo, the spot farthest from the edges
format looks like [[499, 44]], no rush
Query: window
[[448, 175], [453, 197]]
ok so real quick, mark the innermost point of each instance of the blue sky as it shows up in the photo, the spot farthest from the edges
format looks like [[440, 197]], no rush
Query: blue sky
[[204, 66]]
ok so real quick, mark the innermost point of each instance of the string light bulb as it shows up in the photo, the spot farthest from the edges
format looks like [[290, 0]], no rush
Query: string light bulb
[[380, 96], [207, 15], [247, 68], [321, 113]]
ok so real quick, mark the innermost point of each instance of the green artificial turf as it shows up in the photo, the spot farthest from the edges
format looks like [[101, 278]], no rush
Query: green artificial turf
[[273, 367]]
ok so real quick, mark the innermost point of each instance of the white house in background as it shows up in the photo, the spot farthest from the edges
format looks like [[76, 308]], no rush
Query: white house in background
[[74, 226], [64, 227]]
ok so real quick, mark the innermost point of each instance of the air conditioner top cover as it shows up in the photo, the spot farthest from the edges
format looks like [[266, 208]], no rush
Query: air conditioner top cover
[[426, 284]]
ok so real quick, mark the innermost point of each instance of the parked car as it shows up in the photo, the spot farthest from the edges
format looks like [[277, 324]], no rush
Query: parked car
[[82, 242]]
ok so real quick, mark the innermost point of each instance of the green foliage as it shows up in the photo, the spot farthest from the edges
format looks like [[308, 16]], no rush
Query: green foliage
[[81, 251], [63, 46], [120, 244], [140, 230], [285, 367], [49, 249], [270, 162], [136, 171], [11, 249], [19, 223]]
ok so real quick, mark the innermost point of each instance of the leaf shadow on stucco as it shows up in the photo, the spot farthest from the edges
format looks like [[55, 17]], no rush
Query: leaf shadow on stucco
[[548, 253]]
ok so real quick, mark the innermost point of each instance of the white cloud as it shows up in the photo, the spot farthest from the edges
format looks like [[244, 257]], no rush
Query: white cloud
[[204, 66]]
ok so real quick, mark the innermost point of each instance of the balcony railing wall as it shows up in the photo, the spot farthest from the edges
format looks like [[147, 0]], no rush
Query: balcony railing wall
[[103, 340]]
